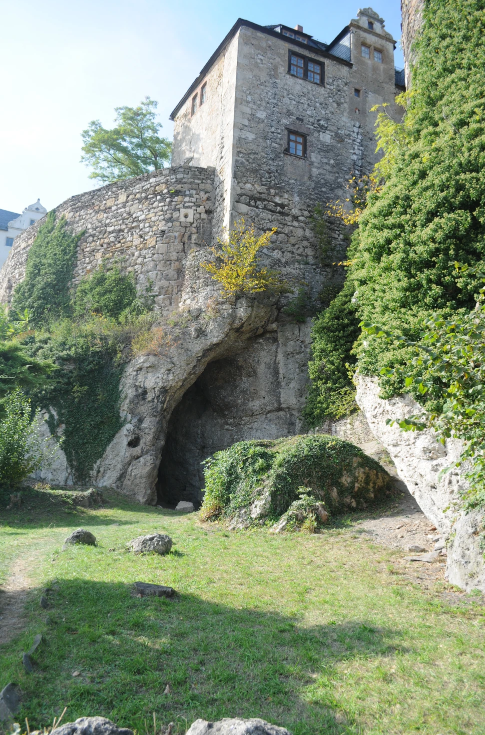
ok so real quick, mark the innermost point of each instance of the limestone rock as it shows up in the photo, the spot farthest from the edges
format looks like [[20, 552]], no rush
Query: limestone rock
[[89, 499], [145, 589], [420, 460], [185, 507], [9, 702], [81, 536], [91, 726], [236, 727], [159, 543]]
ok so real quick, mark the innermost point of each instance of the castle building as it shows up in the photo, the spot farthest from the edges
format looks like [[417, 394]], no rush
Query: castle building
[[12, 224], [285, 120]]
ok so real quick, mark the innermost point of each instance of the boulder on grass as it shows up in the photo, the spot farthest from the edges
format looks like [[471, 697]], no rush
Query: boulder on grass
[[81, 536], [9, 702], [159, 543], [185, 507], [236, 727], [146, 589], [91, 726]]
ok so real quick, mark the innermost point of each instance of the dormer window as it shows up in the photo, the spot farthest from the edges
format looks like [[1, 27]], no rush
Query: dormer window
[[365, 50], [378, 56], [370, 25], [289, 34]]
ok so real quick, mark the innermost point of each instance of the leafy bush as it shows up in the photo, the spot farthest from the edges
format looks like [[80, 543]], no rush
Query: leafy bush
[[108, 292], [21, 449], [44, 292], [431, 211], [331, 393], [236, 263], [330, 469]]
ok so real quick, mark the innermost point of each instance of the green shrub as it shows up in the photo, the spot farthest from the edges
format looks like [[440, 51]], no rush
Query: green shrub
[[331, 393], [431, 211], [21, 449], [44, 292], [326, 466], [108, 292]]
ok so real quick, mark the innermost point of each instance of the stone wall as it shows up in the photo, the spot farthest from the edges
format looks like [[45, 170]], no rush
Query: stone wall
[[149, 223], [412, 18]]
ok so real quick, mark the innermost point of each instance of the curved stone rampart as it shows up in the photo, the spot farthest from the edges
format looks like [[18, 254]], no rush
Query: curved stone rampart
[[150, 223]]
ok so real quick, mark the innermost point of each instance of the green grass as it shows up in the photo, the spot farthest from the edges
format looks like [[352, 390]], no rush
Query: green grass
[[315, 633]]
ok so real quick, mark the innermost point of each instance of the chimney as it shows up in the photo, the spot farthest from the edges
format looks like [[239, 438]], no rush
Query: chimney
[[299, 28]]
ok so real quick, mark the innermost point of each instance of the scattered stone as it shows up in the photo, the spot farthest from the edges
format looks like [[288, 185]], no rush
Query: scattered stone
[[160, 543], [145, 589], [439, 545], [27, 663], [432, 556], [236, 727], [9, 701], [91, 726], [80, 536], [167, 689], [76, 673], [43, 602], [88, 499], [185, 507], [35, 644], [416, 549]]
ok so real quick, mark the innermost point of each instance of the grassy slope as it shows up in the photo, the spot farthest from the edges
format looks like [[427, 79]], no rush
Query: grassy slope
[[316, 633]]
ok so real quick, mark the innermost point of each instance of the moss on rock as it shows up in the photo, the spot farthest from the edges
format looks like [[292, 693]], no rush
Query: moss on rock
[[256, 482]]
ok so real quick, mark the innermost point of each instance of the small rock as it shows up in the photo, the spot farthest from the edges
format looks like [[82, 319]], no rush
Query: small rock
[[321, 512], [81, 536], [185, 507], [91, 726], [9, 701], [35, 644], [167, 689], [432, 556], [235, 727], [160, 543], [27, 663], [43, 602], [416, 549], [76, 673], [439, 545], [145, 589]]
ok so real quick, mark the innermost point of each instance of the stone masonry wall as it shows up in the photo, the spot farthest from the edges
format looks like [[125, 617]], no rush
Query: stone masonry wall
[[149, 223], [412, 19]]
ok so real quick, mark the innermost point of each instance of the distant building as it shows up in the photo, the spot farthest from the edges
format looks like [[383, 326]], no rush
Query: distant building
[[12, 224]]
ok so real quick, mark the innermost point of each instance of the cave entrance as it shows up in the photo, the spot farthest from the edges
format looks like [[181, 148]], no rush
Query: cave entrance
[[235, 398]]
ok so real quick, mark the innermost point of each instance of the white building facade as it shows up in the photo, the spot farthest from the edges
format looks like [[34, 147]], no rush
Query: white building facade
[[12, 224]]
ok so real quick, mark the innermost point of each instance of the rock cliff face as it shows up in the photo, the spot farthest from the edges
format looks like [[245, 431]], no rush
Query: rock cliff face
[[421, 462], [412, 18]]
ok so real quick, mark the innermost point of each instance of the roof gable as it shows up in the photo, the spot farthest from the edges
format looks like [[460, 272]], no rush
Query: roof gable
[[5, 217]]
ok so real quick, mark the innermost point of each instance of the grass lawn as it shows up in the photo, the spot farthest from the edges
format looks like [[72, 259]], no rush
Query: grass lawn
[[315, 633]]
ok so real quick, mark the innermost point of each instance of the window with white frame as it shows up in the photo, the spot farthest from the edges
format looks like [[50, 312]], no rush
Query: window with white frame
[[378, 56]]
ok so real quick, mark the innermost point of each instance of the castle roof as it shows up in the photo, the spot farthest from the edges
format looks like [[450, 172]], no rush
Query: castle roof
[[5, 217]]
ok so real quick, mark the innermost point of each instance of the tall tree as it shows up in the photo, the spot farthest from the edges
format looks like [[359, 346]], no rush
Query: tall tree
[[133, 147]]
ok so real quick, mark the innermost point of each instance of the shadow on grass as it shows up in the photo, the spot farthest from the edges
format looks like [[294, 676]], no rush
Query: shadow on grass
[[218, 661]]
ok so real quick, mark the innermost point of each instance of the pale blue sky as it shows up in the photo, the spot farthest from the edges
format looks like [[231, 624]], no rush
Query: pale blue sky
[[65, 63]]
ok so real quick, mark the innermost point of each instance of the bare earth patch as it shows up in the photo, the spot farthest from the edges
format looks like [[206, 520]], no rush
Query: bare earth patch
[[13, 597]]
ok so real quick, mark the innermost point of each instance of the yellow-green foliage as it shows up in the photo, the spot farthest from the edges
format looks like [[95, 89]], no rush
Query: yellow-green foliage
[[236, 262]]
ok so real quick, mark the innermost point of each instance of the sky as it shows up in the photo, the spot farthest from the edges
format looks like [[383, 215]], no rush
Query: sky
[[67, 63]]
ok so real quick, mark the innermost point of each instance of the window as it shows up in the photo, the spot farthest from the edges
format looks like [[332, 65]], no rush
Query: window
[[9, 242], [378, 56], [370, 25], [289, 34], [296, 144], [300, 38], [32, 222], [356, 92], [194, 104], [314, 72], [297, 66], [305, 68], [203, 93], [366, 51]]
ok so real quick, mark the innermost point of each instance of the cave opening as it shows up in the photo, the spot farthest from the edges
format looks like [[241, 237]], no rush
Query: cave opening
[[235, 398]]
